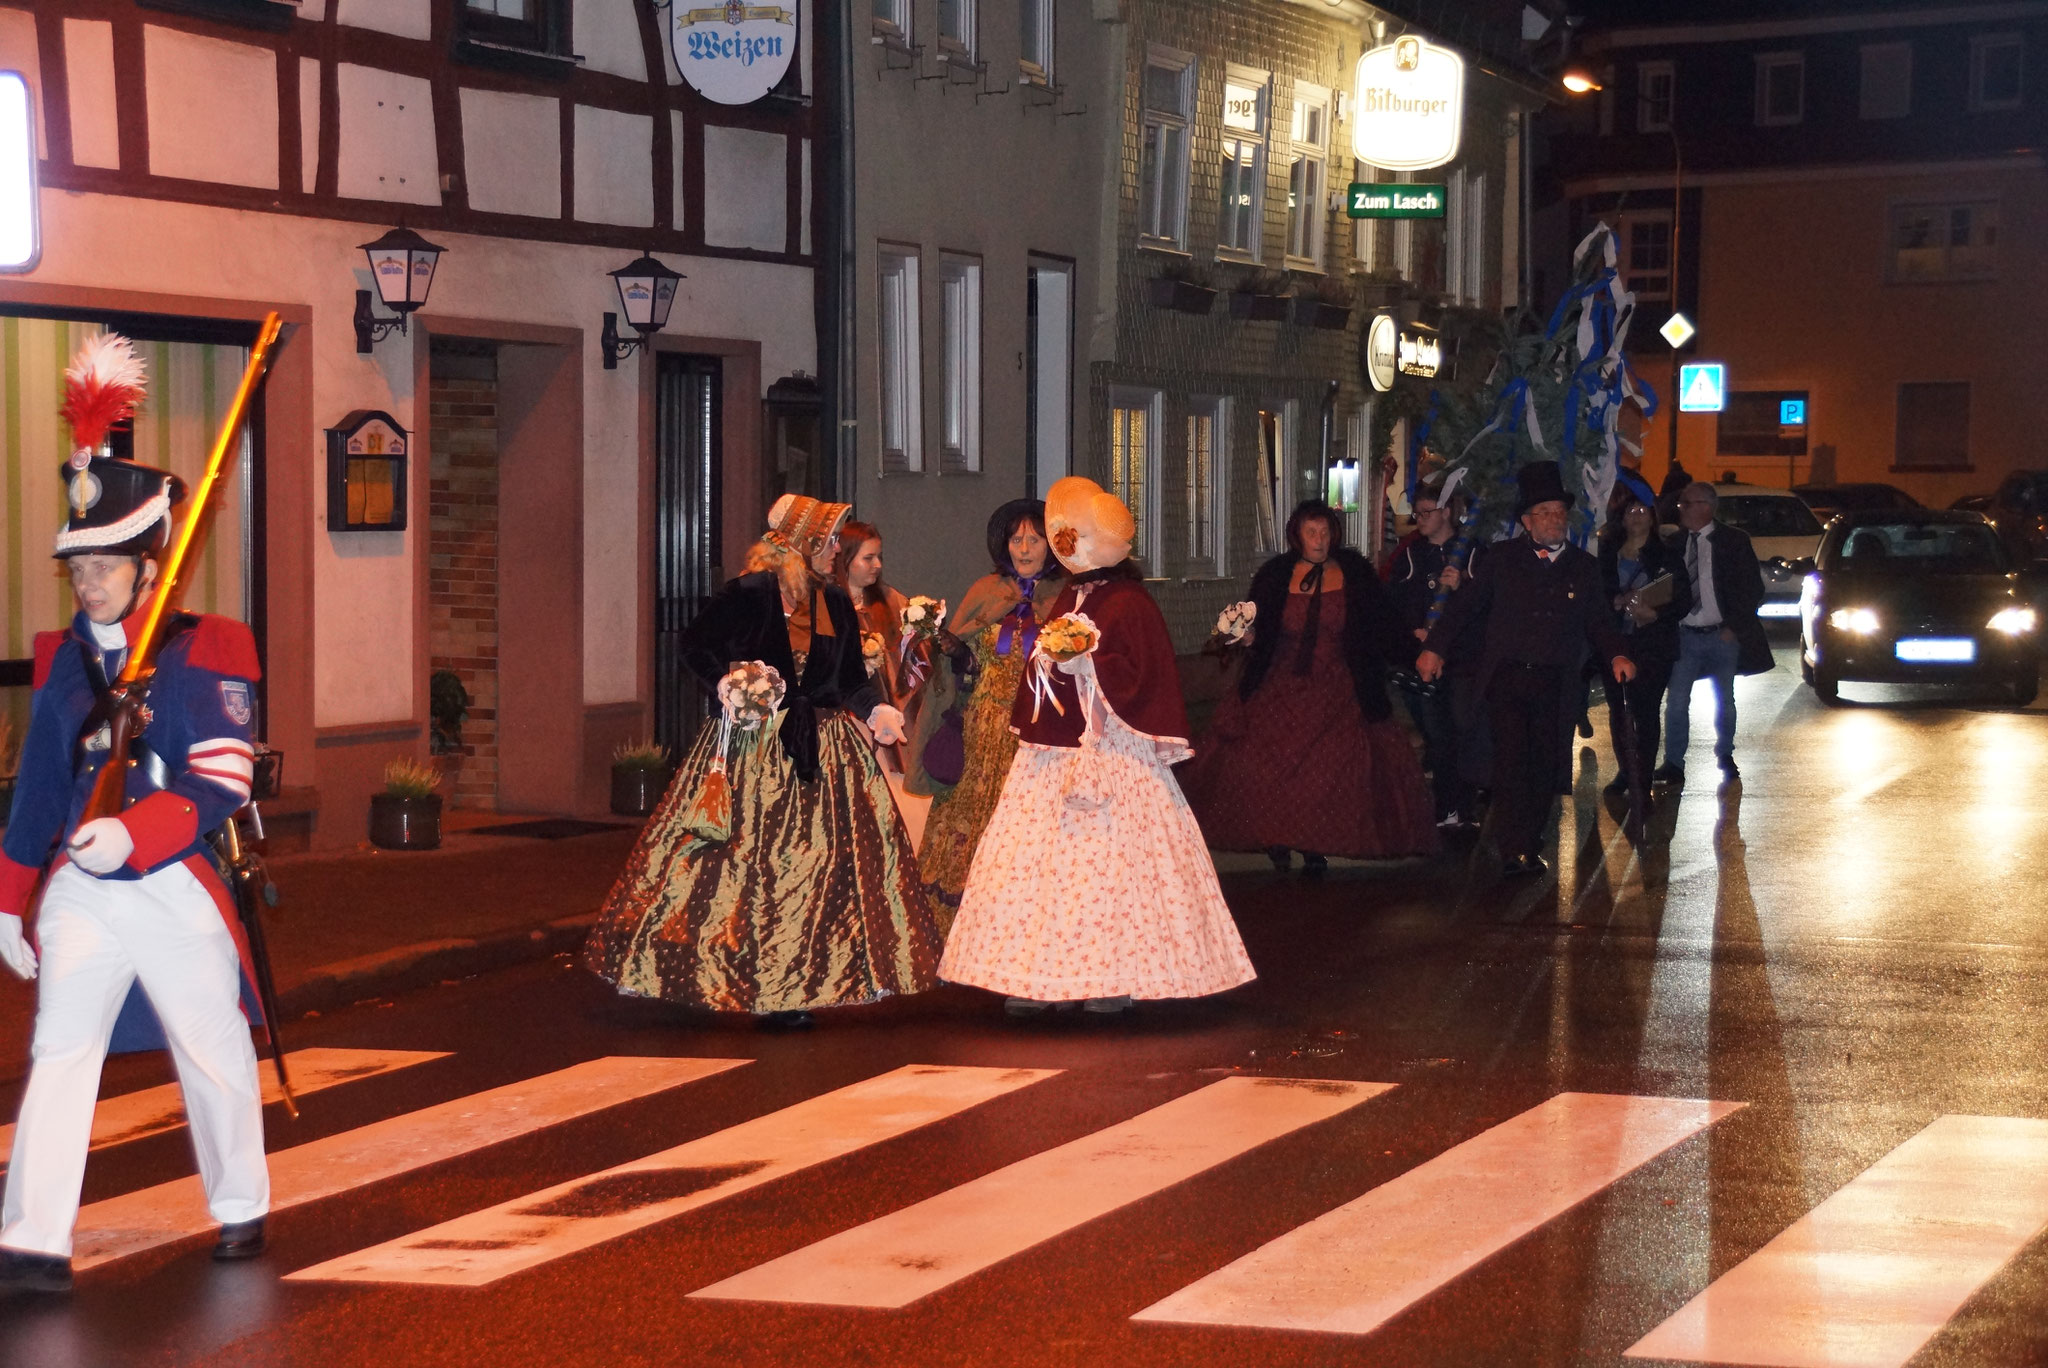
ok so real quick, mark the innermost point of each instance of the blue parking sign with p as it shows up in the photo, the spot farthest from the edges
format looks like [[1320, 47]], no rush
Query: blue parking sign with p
[[1702, 387], [1791, 413]]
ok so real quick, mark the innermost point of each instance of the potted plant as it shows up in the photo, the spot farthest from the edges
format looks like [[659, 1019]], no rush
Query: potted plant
[[407, 814], [448, 704], [1261, 296], [1181, 286], [640, 775], [1327, 304], [1382, 287]]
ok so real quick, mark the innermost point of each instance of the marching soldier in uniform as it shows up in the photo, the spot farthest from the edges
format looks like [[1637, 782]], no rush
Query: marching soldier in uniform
[[133, 902]]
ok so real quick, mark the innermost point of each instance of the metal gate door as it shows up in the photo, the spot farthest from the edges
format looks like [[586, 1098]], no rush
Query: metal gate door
[[687, 413]]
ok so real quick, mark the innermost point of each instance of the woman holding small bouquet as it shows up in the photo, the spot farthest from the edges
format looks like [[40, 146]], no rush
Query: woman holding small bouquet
[[776, 875], [1304, 753], [1091, 882], [898, 658], [964, 743]]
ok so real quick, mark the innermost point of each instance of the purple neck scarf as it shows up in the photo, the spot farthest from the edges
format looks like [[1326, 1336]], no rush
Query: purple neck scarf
[[1020, 618]]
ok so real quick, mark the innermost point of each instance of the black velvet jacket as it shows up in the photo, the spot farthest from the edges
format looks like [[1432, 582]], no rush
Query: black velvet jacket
[[1374, 640], [745, 622]]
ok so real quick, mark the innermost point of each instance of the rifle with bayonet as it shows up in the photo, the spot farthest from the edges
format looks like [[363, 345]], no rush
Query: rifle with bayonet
[[130, 690]]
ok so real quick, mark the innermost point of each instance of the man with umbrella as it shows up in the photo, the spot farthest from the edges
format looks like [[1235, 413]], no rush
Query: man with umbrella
[[1540, 605]]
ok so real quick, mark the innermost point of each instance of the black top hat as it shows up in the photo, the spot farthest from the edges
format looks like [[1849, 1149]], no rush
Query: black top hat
[[117, 508], [1542, 482]]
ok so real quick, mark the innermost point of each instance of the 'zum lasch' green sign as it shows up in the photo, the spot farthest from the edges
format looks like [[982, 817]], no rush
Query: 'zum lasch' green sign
[[1396, 201]]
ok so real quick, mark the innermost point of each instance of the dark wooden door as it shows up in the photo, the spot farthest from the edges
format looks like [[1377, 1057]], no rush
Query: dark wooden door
[[687, 553]]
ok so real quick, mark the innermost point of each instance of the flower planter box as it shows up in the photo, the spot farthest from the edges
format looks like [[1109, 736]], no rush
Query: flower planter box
[[403, 823], [1378, 295], [637, 790], [1257, 307], [1179, 295], [1314, 313]]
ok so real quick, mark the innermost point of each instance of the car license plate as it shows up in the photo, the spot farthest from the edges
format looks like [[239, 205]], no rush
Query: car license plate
[[1936, 650]]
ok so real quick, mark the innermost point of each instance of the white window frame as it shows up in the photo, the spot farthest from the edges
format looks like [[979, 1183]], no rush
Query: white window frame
[[1625, 234], [1404, 238], [961, 44], [1169, 194], [1053, 341], [1036, 24], [1145, 506], [1869, 55], [1208, 561], [1260, 141], [1275, 500], [1981, 44], [893, 24], [1308, 176], [1646, 74], [899, 360], [1472, 244], [1365, 238], [960, 363], [1766, 63]]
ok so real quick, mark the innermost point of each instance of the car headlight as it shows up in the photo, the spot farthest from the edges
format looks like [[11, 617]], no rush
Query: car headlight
[[1858, 620], [2013, 621]]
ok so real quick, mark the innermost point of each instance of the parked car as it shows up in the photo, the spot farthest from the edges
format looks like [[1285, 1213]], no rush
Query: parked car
[[1785, 534], [1972, 503], [1829, 499], [1917, 596], [2019, 509]]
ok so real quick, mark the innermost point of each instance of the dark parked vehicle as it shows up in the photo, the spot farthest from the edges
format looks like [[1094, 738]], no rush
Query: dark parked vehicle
[[1972, 503], [1829, 499], [2019, 507], [1923, 596]]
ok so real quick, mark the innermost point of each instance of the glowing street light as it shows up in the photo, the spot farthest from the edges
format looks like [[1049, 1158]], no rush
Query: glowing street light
[[1579, 82]]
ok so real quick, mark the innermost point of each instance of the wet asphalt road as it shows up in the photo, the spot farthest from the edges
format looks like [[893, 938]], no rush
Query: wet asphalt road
[[1850, 940]]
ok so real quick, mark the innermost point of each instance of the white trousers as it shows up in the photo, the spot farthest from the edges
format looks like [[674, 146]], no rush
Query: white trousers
[[96, 939]]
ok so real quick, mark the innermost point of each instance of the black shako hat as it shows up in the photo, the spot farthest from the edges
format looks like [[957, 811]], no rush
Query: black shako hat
[[1541, 482], [117, 508]]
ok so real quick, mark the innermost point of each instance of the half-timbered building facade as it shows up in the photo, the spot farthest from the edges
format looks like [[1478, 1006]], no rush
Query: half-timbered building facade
[[204, 161]]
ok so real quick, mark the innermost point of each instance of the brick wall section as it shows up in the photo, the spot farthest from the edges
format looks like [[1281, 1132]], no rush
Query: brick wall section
[[1252, 365], [462, 556]]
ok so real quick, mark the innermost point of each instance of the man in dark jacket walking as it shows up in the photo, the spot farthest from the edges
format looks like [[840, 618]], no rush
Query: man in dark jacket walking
[[1418, 567], [1720, 637], [1541, 605]]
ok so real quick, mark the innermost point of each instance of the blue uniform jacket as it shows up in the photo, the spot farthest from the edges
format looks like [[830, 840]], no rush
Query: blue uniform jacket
[[200, 713]]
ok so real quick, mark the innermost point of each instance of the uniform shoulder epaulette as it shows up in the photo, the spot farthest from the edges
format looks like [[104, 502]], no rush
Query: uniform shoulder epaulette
[[221, 645], [47, 645]]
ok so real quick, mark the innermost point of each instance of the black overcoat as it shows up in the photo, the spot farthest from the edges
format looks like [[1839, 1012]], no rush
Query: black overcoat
[[1374, 640], [744, 621], [1655, 644], [1738, 592]]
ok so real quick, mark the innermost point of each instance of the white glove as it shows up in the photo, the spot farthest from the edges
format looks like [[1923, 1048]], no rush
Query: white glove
[[102, 845], [1079, 666], [886, 724], [14, 951]]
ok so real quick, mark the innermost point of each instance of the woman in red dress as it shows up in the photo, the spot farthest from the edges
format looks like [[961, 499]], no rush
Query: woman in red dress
[[1304, 753]]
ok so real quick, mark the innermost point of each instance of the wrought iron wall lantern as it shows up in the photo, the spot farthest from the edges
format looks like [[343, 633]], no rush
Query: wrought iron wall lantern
[[647, 290], [402, 263]]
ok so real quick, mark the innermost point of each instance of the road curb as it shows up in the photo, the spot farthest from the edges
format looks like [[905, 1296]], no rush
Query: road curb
[[425, 963]]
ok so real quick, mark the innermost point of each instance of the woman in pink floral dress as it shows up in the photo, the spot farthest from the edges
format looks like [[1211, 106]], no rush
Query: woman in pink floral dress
[[1092, 882]]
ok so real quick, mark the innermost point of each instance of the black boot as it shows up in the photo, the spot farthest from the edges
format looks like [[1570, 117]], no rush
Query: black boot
[[21, 1271], [240, 1240]]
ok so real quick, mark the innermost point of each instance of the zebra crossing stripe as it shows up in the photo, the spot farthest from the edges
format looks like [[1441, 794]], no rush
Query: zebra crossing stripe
[[138, 1221], [920, 1249], [1872, 1273], [473, 1250], [131, 1116], [1352, 1269]]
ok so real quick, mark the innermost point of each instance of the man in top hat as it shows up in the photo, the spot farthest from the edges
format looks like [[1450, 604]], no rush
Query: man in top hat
[[132, 901], [1538, 599]]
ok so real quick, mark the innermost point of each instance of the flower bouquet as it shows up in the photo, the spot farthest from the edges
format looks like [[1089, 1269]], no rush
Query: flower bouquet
[[751, 693], [1233, 625], [923, 616], [872, 651], [1068, 637]]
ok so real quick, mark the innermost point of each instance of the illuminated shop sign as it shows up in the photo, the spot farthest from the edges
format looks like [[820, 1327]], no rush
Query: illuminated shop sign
[[732, 54], [1382, 352], [1419, 352], [1409, 106], [1396, 201], [19, 244]]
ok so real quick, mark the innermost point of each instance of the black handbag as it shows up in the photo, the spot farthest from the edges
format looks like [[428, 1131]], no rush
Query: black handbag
[[945, 750]]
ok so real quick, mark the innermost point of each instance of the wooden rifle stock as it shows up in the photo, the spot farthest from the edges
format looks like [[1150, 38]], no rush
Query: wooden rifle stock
[[110, 788]]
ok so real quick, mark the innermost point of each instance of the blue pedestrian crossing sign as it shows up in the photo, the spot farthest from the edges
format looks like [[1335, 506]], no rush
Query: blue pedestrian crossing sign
[[1702, 387]]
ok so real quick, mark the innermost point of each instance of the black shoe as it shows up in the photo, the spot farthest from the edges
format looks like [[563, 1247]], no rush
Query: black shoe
[[788, 1021], [1674, 775], [1521, 866], [1314, 865], [240, 1240], [1728, 769], [21, 1271], [1281, 857]]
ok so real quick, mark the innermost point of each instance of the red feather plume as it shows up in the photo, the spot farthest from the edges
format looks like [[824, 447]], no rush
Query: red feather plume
[[102, 386]]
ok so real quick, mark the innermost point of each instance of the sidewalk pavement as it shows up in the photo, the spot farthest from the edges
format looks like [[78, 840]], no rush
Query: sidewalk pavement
[[369, 923]]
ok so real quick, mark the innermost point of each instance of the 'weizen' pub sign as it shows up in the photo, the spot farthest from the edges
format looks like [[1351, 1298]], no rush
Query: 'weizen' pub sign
[[1369, 201]]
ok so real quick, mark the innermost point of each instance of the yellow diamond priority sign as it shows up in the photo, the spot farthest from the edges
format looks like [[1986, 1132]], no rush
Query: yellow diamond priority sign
[[1678, 330]]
